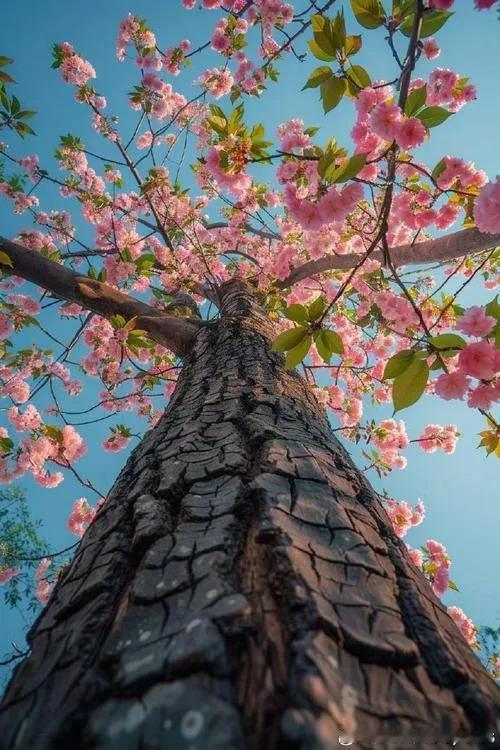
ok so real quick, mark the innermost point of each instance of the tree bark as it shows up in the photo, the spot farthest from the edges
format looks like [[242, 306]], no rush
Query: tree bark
[[242, 588]]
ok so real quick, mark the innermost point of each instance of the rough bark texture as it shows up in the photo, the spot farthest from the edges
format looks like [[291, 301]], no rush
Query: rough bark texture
[[242, 588]]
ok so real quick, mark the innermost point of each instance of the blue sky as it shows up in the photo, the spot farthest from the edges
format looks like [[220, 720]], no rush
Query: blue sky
[[461, 492]]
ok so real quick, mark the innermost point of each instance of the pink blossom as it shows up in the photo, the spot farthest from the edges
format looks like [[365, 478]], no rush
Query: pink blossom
[[487, 208], [384, 119], [218, 81], [441, 581], [42, 568], [6, 574], [42, 591], [81, 516], [464, 624], [475, 322], [409, 133], [30, 164], [117, 441], [479, 360], [30, 420], [434, 436], [74, 69], [451, 385], [483, 396], [447, 215], [403, 516], [416, 556], [431, 48], [220, 42]]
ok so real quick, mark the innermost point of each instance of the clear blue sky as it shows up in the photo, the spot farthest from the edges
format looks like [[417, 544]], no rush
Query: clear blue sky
[[461, 492]]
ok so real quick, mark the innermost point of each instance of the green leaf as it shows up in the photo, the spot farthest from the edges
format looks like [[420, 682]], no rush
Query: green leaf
[[333, 342], [493, 308], [318, 23], [337, 28], [409, 386], [5, 61], [401, 8], [5, 260], [453, 586], [415, 101], [369, 13], [447, 341], [432, 22], [6, 445], [22, 128], [326, 37], [289, 339], [298, 353], [117, 321], [438, 169], [432, 116], [218, 124], [297, 313], [328, 158], [53, 432], [358, 79], [332, 92], [25, 114], [316, 308], [348, 169], [398, 363], [318, 76], [322, 347], [318, 52]]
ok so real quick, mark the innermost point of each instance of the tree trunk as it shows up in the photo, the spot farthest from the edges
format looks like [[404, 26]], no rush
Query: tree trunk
[[242, 588]]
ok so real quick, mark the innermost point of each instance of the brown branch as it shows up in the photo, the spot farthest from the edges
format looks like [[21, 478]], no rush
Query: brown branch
[[456, 245], [173, 332]]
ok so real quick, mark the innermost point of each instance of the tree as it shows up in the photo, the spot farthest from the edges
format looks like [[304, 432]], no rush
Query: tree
[[242, 585]]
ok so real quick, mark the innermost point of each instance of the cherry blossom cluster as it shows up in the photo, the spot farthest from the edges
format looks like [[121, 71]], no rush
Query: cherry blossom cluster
[[478, 360], [403, 516], [436, 565], [81, 516], [118, 439], [74, 69], [8, 573], [44, 444], [465, 625]]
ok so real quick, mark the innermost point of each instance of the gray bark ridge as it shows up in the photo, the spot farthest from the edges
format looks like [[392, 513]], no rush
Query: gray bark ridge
[[242, 588]]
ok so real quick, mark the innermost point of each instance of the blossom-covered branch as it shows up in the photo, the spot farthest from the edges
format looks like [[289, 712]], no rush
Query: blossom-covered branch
[[173, 332]]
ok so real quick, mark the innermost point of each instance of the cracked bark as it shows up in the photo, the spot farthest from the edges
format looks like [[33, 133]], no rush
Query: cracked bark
[[242, 588]]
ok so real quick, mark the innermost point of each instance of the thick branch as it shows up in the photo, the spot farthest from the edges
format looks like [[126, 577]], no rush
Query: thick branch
[[451, 247], [175, 333]]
